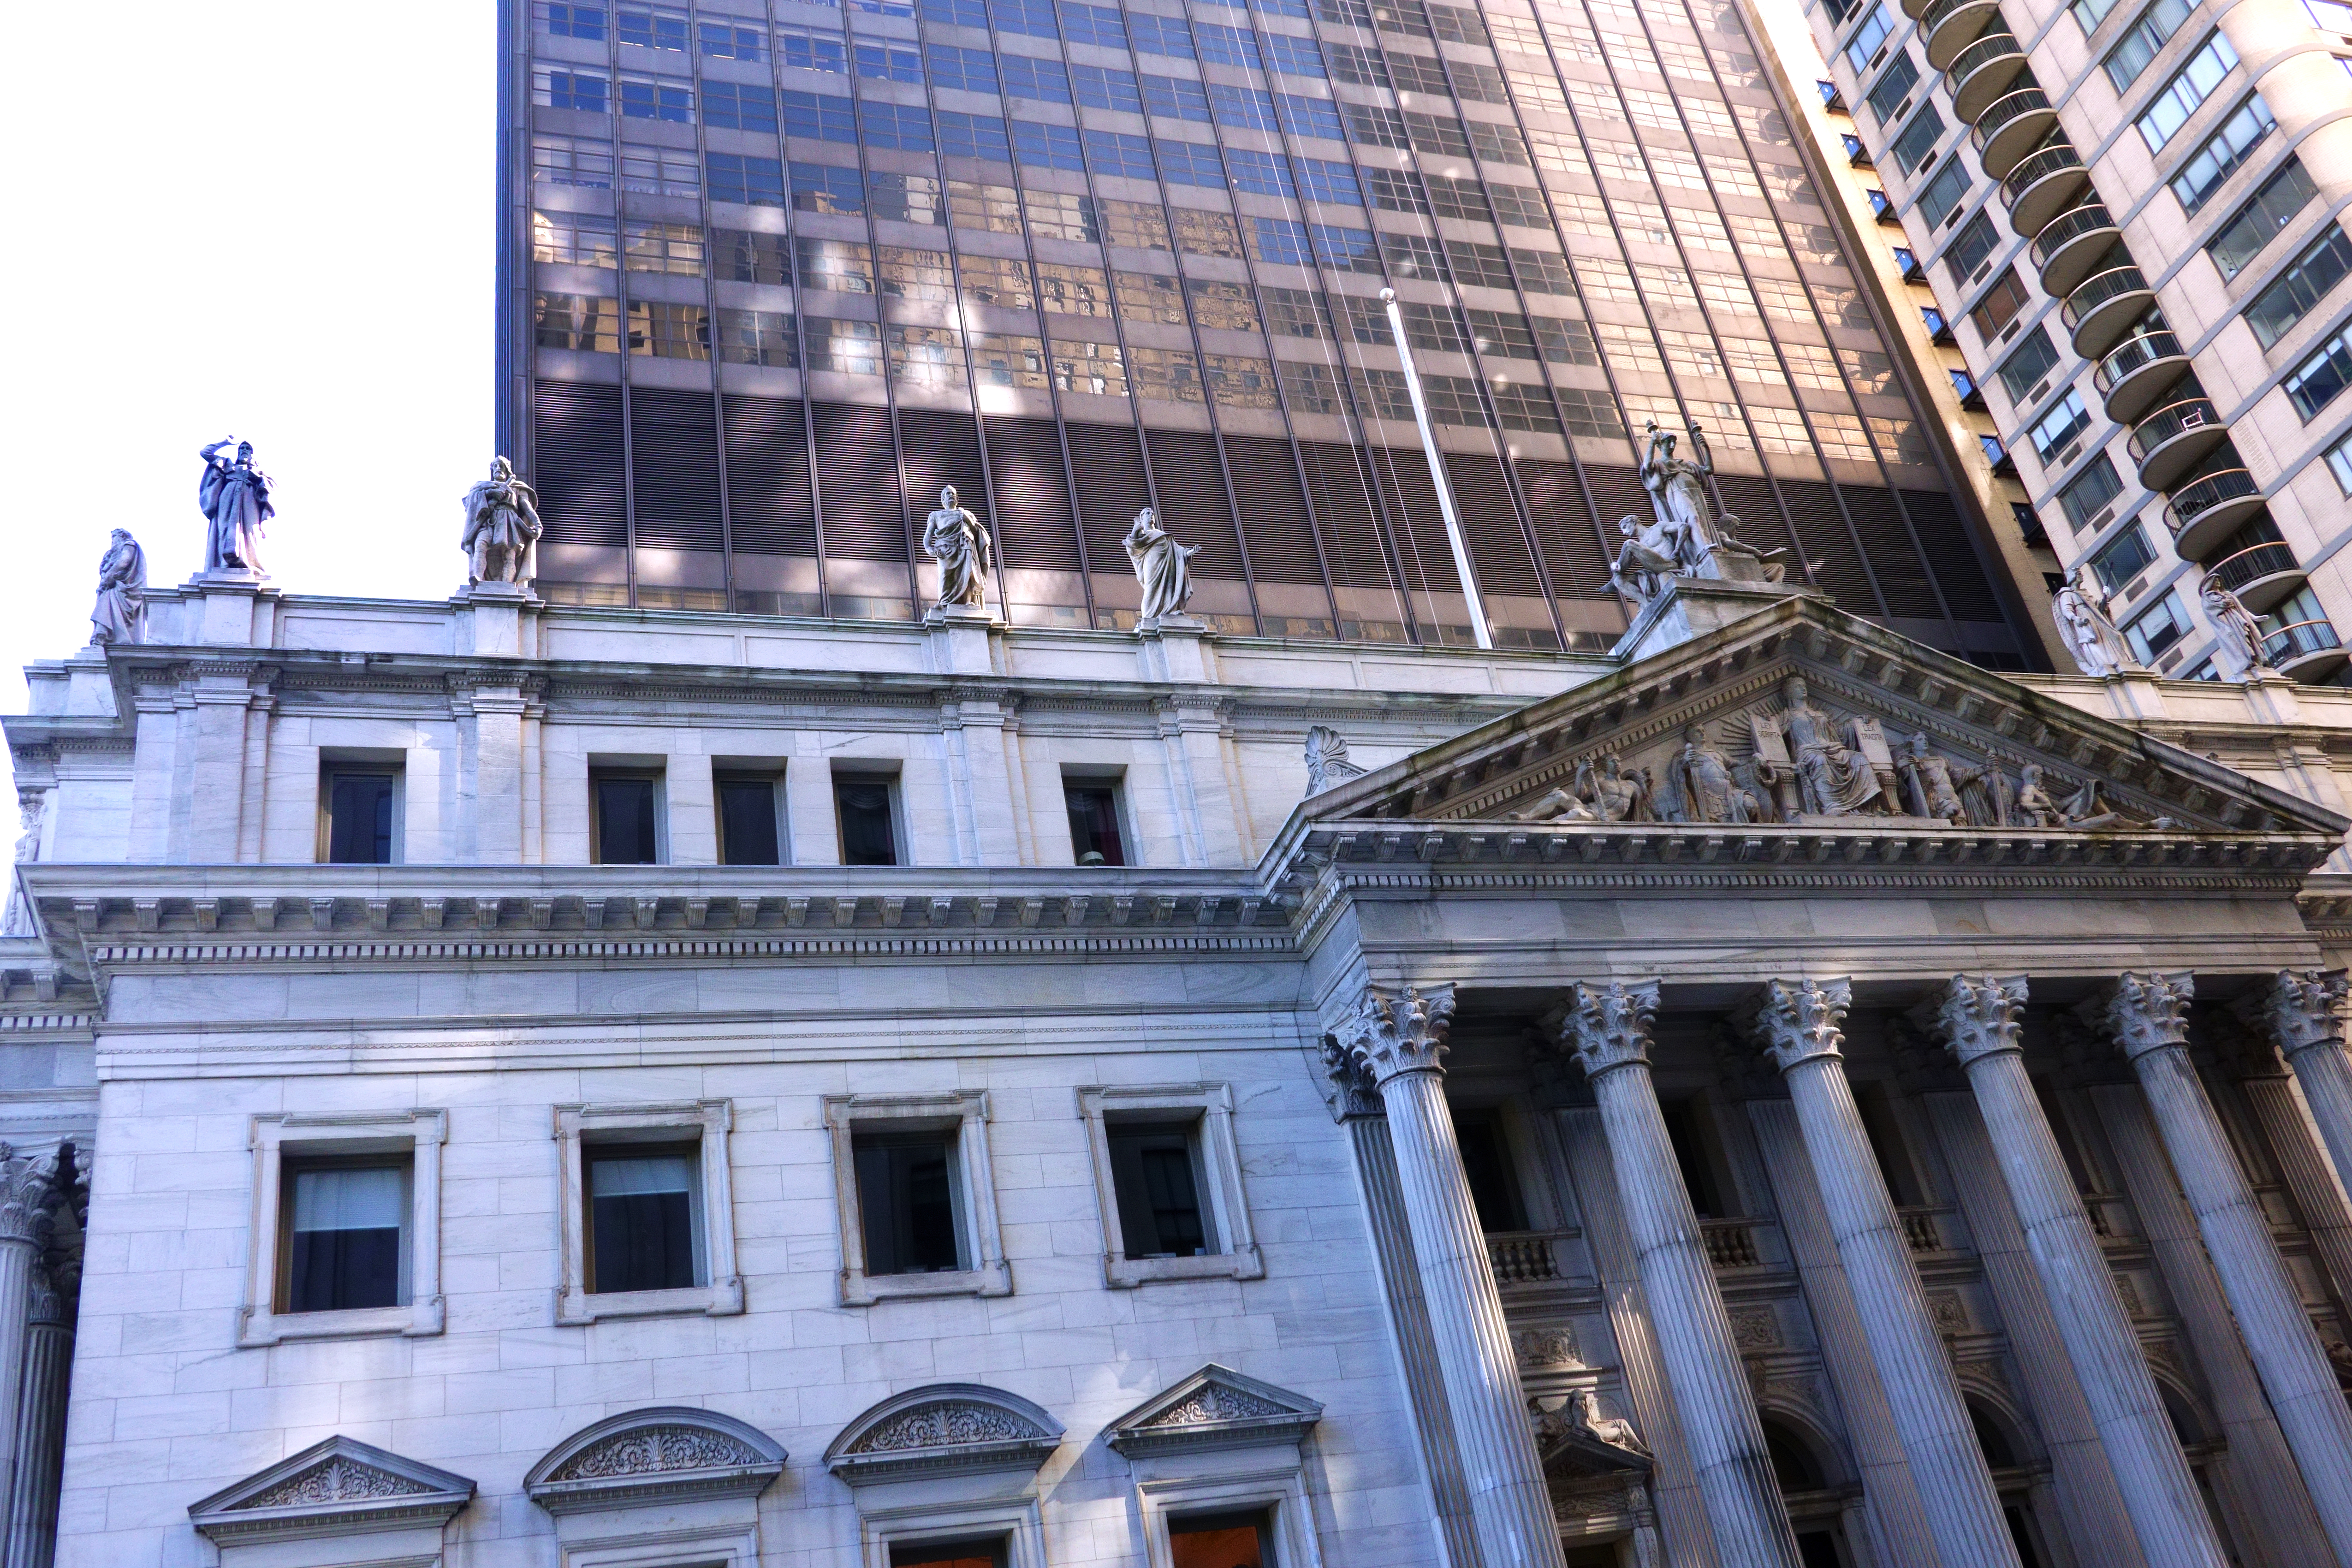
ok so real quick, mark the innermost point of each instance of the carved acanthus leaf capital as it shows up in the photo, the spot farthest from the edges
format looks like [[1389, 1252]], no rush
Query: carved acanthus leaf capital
[[1397, 1032], [28, 1196], [2306, 1008], [1608, 1026], [1353, 1092], [1800, 1020], [2148, 1012], [1982, 1015]]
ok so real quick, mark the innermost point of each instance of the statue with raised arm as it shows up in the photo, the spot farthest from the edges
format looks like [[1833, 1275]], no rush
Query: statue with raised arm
[[2083, 626], [502, 529], [2239, 631], [959, 542], [1678, 487], [121, 612], [235, 498], [1162, 567]]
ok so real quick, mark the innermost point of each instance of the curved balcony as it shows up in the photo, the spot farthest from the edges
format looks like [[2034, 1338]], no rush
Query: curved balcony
[[2070, 246], [2306, 650], [1982, 72], [2008, 128], [2102, 306], [1951, 26], [2174, 439], [2137, 372], [2204, 512], [2261, 575], [2042, 186]]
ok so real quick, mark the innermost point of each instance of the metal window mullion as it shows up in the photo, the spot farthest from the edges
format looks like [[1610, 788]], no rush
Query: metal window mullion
[[800, 318], [621, 308], [710, 298]]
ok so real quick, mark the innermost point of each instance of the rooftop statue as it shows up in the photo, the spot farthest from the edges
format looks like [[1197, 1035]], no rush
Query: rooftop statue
[[2235, 624], [502, 528], [121, 612], [1685, 539], [18, 920], [1162, 566], [2083, 626], [959, 542], [235, 499], [1678, 487]]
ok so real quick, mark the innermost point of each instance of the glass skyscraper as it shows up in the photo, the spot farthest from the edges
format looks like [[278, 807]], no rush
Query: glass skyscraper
[[773, 273]]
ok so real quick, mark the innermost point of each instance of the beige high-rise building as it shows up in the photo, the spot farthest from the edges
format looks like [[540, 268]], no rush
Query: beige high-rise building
[[2129, 214]]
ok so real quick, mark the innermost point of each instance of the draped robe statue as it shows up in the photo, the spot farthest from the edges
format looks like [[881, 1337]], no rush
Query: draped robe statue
[[2239, 632], [18, 920], [2082, 626], [1835, 780], [502, 528], [1677, 490], [1701, 785], [235, 498], [121, 612], [1162, 566], [959, 542]]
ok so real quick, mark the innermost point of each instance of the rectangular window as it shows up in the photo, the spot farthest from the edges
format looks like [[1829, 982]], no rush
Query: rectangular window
[[2339, 463], [1043, 81], [672, 247], [880, 62], [2191, 86], [1259, 174], [2266, 212], [966, 70], [984, 1552], [812, 51], [747, 180], [1161, 35], [2318, 379], [1096, 24], [1944, 193], [624, 816], [2057, 429], [1971, 248], [906, 1191], [1294, 56], [644, 1222], [725, 40], [866, 807], [2023, 373], [1487, 1165], [567, 161], [558, 19], [1157, 1180], [1892, 90], [1862, 48], [1918, 138], [1032, 17], [748, 818], [1094, 812], [361, 816], [2089, 14], [1190, 164], [2089, 496], [657, 98], [1042, 145], [2164, 624], [1694, 1146], [2308, 279], [821, 117], [2142, 40], [578, 321], [1175, 97], [346, 1226], [1221, 1541], [1224, 45], [650, 29], [2124, 559], [738, 108], [669, 331], [585, 90], [2000, 306], [1098, 87]]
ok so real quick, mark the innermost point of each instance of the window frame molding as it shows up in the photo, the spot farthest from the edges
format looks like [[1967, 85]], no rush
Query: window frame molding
[[1271, 1477], [260, 1323], [966, 1113], [709, 1121], [1240, 1256]]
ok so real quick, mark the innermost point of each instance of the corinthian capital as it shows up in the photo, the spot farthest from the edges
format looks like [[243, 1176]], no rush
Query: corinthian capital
[[1980, 1015], [2149, 1013], [1353, 1093], [1799, 1019], [28, 1196], [2306, 1008], [1395, 1032], [1608, 1026]]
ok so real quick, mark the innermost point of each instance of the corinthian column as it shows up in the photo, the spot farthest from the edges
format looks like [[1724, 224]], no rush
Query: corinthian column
[[29, 1199], [1799, 1029], [1399, 1037], [2305, 1014], [1979, 1020], [2147, 1017], [32, 1539], [1607, 1030]]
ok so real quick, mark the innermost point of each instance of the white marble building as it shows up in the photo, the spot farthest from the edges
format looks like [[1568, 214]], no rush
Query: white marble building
[[466, 1158]]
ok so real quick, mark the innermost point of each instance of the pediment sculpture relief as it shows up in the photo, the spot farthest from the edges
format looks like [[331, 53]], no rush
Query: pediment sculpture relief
[[1215, 1407], [942, 1427]]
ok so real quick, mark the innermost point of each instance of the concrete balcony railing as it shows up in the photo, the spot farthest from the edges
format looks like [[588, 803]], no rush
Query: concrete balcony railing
[[1523, 1257], [1951, 26], [2204, 512], [2305, 650], [2041, 186], [2261, 575], [1982, 72], [2102, 306], [2070, 246], [2174, 439], [2137, 372], [2009, 129]]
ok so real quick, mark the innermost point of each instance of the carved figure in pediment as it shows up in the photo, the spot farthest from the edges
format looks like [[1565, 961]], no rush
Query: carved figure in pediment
[[1618, 797], [1574, 804], [1990, 797], [1936, 785], [1701, 785], [1833, 778], [1613, 1430], [2037, 807]]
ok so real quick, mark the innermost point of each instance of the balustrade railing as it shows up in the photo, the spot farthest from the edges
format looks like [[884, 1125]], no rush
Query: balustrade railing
[[2041, 166], [2254, 564], [1522, 1256], [2005, 109], [2068, 226], [1730, 1243], [2300, 640]]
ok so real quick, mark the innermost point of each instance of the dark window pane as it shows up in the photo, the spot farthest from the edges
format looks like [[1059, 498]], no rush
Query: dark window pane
[[1220, 1540], [868, 835], [950, 1554], [641, 1214], [1094, 824], [344, 1238], [1158, 1204], [1683, 1130], [625, 822], [907, 1204], [359, 819], [747, 822], [1487, 1162]]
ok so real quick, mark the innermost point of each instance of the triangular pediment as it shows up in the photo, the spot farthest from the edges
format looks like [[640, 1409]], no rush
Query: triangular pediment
[[1215, 1407], [340, 1486], [1801, 723]]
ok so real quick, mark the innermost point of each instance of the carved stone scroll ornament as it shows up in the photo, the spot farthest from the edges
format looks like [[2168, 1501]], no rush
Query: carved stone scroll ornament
[[1608, 1026], [651, 1450], [341, 1487], [656, 1456], [1215, 1407], [943, 1429], [340, 1479], [1326, 759], [943, 1426], [1353, 1093], [1394, 1032], [28, 1196], [1982, 1015]]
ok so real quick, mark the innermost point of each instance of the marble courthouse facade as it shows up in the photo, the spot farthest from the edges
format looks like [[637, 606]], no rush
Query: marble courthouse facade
[[1774, 1094]]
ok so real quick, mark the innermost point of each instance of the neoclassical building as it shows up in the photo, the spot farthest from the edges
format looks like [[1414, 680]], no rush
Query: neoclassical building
[[498, 1085]]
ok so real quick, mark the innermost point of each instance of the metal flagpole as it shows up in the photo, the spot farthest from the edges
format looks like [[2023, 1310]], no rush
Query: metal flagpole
[[1453, 534]]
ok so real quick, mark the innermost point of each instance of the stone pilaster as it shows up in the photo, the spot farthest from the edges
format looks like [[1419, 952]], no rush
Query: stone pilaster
[[1356, 1104], [1980, 1019], [29, 1199], [1399, 1037], [2304, 1011], [1607, 1030], [2147, 1017], [32, 1539], [1800, 1028]]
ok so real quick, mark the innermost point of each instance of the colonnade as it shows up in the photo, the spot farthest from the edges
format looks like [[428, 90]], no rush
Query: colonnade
[[1393, 1043]]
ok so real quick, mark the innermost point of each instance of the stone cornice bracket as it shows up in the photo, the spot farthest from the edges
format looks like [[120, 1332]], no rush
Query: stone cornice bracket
[[2306, 1008], [1353, 1094], [2144, 1012], [1605, 1027], [1800, 1020], [1982, 1015], [1397, 1032], [29, 1197]]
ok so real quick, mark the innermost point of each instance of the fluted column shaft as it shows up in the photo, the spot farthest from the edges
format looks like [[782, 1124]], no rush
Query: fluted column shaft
[[28, 1207], [1607, 1029], [32, 1541], [1799, 1029], [2147, 1017], [1400, 1038], [2304, 1012], [1980, 1021]]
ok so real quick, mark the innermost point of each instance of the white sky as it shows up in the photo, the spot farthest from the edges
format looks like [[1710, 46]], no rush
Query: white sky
[[251, 217]]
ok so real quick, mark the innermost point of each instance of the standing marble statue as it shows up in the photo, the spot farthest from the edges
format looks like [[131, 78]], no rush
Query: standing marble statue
[[1678, 487], [18, 920], [1162, 567], [502, 528], [121, 612], [235, 498], [959, 542], [2083, 626], [2236, 626]]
